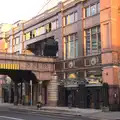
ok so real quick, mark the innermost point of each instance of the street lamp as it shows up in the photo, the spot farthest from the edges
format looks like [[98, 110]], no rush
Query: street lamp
[[40, 91], [31, 92]]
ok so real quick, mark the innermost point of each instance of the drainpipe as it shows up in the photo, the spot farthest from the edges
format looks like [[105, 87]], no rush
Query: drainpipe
[[62, 10]]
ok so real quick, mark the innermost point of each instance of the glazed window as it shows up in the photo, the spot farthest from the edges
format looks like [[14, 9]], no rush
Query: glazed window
[[67, 20], [87, 12], [27, 36], [31, 35], [76, 16], [54, 25], [17, 40], [57, 22], [93, 40], [48, 27], [71, 46], [71, 18], [42, 30], [93, 10], [98, 6], [37, 31]]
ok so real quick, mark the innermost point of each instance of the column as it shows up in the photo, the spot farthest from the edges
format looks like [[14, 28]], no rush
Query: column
[[15, 94], [23, 92], [53, 91]]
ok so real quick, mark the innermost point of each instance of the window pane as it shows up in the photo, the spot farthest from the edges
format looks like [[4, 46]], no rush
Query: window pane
[[42, 30], [98, 29], [37, 31], [33, 33], [88, 32], [72, 18], [88, 45], [76, 16], [57, 24], [17, 40], [72, 50], [53, 27], [66, 47], [93, 40], [99, 42], [94, 43], [93, 10], [27, 36], [66, 20], [77, 48], [93, 30], [87, 12], [98, 5]]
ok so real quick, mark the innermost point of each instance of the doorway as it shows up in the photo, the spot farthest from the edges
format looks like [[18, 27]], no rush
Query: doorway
[[93, 98]]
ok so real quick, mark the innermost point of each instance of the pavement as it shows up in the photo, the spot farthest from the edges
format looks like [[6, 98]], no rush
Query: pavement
[[65, 111], [11, 112]]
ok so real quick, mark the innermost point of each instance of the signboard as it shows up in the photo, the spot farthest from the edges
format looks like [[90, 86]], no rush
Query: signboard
[[9, 66], [93, 80], [72, 76], [71, 83]]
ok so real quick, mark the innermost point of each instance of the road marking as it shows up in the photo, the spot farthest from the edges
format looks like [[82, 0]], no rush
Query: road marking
[[11, 118]]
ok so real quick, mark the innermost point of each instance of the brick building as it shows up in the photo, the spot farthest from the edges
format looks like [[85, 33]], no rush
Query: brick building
[[84, 36]]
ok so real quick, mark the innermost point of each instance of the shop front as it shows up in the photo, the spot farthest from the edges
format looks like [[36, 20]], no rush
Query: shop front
[[83, 93]]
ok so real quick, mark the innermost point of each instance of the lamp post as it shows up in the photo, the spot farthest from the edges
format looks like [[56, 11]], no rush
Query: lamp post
[[40, 91], [31, 92]]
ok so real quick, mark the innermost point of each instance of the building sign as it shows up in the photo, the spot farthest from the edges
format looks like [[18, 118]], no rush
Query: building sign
[[71, 83], [9, 66], [93, 80], [72, 76]]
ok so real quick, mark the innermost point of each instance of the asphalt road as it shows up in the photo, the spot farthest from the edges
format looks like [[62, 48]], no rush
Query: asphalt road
[[6, 114]]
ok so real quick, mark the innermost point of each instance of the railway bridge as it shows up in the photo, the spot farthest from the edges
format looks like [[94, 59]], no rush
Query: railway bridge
[[30, 73]]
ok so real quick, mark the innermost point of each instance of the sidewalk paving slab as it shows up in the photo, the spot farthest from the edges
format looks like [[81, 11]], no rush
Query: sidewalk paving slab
[[90, 113]]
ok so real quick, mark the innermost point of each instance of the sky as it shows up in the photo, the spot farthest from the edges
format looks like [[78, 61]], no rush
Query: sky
[[14, 10]]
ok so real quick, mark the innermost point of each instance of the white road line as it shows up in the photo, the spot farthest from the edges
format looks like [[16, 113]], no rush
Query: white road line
[[11, 118]]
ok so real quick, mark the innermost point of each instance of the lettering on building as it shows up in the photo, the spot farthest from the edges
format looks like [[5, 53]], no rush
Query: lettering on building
[[9, 66]]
